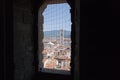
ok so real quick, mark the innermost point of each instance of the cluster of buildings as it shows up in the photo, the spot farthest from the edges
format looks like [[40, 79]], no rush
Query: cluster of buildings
[[57, 53], [56, 56]]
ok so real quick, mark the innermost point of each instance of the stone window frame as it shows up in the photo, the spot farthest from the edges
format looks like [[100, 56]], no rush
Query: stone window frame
[[39, 31]]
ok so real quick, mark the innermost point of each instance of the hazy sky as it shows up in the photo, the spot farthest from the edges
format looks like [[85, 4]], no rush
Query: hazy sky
[[57, 16]]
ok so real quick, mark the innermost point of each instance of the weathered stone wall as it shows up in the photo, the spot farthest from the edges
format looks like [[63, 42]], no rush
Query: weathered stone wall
[[23, 40]]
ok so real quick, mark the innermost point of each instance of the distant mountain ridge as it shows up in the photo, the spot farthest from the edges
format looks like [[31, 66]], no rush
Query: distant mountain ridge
[[56, 33]]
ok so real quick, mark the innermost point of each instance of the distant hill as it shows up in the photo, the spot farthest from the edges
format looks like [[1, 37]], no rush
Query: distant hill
[[56, 33]]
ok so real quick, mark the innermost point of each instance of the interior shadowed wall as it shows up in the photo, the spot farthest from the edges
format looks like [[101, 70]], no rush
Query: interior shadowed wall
[[23, 39]]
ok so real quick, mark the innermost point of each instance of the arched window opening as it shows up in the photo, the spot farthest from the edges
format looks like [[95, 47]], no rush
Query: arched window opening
[[55, 43]]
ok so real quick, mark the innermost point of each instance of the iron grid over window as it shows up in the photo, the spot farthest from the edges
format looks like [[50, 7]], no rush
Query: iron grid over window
[[56, 53]]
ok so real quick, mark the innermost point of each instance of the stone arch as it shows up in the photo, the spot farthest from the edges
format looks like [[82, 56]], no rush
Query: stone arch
[[40, 25]]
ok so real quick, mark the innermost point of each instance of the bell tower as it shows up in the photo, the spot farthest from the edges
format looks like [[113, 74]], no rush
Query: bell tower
[[61, 37]]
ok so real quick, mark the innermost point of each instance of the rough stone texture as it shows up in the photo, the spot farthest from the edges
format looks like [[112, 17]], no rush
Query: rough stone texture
[[40, 32], [23, 40]]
